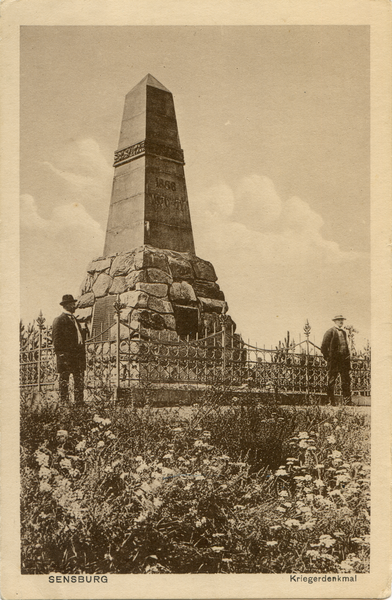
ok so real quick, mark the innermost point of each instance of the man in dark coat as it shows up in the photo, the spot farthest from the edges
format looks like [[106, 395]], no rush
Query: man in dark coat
[[336, 352], [68, 341]]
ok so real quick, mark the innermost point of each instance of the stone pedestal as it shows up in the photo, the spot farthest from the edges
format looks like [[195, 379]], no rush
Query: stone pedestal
[[173, 293]]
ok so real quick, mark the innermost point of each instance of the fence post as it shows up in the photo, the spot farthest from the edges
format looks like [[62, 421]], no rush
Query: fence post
[[223, 319], [40, 323], [117, 307], [307, 330]]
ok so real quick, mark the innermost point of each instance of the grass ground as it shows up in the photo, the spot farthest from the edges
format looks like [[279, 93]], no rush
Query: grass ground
[[212, 489]]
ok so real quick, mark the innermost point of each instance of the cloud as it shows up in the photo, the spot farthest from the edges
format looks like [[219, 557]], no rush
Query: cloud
[[54, 254], [86, 174], [273, 262]]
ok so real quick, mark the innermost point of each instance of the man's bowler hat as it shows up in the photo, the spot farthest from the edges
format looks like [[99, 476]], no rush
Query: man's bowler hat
[[67, 298], [338, 317]]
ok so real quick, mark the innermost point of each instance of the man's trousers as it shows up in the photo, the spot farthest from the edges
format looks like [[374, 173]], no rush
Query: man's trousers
[[78, 377], [339, 365]]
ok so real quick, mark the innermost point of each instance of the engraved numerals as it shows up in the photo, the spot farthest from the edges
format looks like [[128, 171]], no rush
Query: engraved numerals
[[164, 183]]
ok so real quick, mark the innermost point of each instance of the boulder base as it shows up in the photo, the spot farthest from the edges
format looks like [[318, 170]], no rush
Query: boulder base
[[158, 290]]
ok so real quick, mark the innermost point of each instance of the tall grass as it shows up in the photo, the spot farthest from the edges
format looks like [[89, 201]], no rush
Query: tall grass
[[218, 489]]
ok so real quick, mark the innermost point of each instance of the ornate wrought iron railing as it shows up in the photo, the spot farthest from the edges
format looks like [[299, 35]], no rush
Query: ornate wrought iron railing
[[121, 357]]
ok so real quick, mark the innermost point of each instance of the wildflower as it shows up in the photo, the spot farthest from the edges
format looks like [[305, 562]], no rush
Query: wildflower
[[335, 454], [331, 439], [41, 458], [198, 444], [139, 458], [287, 504], [141, 518], [44, 486], [326, 540], [308, 478], [100, 444], [308, 524], [292, 523], [280, 472], [106, 421], [271, 543], [80, 446], [313, 553], [283, 493], [66, 463], [319, 483], [303, 444], [342, 479], [97, 419]]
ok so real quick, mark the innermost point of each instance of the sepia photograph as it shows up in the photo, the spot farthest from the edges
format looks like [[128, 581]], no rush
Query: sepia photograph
[[196, 308]]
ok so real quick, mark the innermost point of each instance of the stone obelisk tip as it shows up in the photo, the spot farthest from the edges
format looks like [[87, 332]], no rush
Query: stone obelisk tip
[[149, 203]]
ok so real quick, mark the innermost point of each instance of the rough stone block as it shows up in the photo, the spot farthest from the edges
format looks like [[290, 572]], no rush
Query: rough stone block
[[210, 323], [135, 277], [125, 312], [99, 265], [170, 323], [182, 293], [180, 268], [102, 285], [135, 299], [147, 257], [119, 285], [154, 289], [123, 264], [203, 269], [212, 305], [87, 284], [159, 305], [208, 289], [147, 319], [159, 276], [86, 300], [167, 335]]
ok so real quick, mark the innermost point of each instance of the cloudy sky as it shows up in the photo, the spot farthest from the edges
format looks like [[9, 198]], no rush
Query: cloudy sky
[[274, 124]]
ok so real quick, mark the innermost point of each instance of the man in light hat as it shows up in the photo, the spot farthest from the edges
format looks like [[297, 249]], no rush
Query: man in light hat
[[68, 341], [336, 352]]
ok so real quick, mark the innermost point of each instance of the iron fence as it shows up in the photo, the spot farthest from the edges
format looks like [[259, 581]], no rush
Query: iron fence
[[121, 358]]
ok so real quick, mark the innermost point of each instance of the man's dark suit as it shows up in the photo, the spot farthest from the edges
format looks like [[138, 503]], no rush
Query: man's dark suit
[[337, 362], [70, 355]]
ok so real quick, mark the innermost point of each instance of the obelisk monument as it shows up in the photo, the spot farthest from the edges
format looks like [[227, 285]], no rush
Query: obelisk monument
[[149, 262]]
